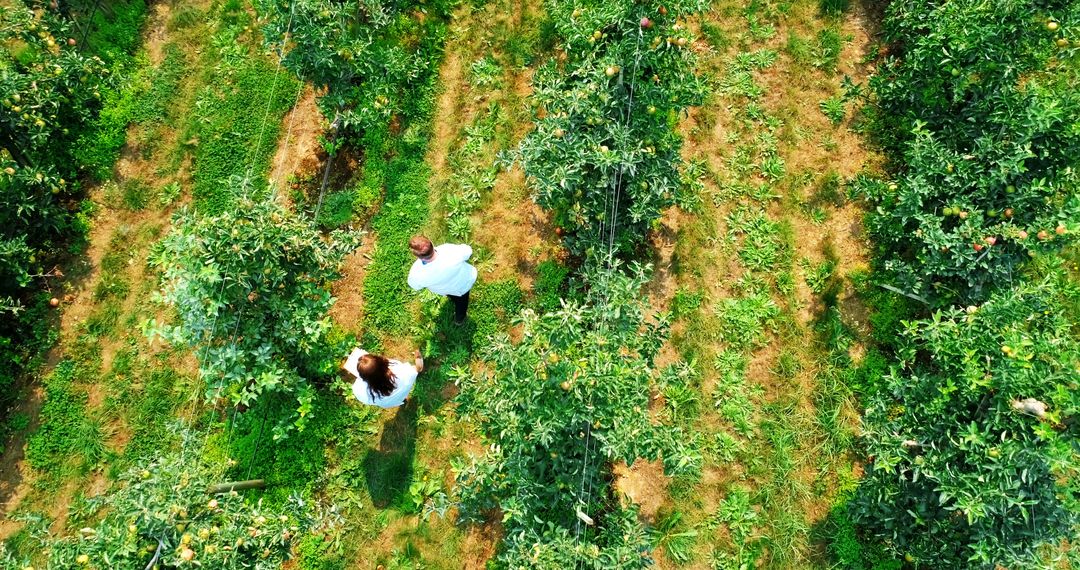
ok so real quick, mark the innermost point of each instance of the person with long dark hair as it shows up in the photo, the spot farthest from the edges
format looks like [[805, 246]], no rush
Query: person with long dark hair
[[379, 381]]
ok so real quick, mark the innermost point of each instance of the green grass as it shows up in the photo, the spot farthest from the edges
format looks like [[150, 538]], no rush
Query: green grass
[[235, 127], [142, 97], [404, 212], [61, 435], [154, 399], [297, 464], [113, 33]]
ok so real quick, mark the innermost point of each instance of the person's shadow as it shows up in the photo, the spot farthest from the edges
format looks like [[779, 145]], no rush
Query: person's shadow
[[388, 468]]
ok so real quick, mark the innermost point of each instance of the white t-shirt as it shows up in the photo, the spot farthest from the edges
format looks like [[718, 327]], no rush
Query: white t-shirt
[[447, 274], [404, 380]]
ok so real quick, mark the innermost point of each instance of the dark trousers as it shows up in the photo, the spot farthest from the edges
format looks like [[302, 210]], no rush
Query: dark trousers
[[461, 306]]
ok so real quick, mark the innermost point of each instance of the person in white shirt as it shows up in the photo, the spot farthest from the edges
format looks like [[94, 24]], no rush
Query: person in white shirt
[[380, 381], [443, 270]]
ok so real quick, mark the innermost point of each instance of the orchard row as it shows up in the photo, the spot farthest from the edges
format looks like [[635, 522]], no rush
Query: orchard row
[[972, 431]]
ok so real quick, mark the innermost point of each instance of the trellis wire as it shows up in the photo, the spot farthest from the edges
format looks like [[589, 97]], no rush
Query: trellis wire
[[615, 195], [225, 277]]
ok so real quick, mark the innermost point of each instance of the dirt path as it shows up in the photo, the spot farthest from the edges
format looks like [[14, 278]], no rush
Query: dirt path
[[296, 154], [76, 291], [448, 113], [127, 235], [699, 253], [348, 309], [16, 478], [507, 223]]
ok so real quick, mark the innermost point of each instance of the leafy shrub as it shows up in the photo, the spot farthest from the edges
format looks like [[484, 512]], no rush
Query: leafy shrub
[[986, 145], [367, 54], [550, 286], [165, 500], [604, 156], [959, 232], [558, 408], [49, 91], [248, 285], [337, 209], [973, 435]]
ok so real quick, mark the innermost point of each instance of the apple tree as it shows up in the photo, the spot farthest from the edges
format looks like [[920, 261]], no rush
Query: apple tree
[[249, 289], [973, 435], [162, 508], [362, 55], [557, 408], [977, 105], [605, 152], [48, 94]]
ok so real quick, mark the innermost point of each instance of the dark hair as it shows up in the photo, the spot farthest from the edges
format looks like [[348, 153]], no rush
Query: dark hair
[[375, 371], [421, 246]]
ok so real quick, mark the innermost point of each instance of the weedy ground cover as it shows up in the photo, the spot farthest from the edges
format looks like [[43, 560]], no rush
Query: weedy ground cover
[[776, 428], [108, 402], [761, 267]]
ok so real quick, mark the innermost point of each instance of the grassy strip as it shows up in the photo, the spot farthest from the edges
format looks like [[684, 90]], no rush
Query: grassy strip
[[773, 410], [56, 441], [141, 98], [238, 119], [399, 165]]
